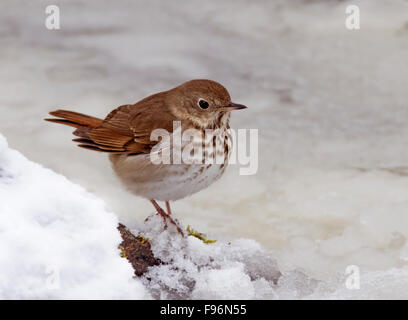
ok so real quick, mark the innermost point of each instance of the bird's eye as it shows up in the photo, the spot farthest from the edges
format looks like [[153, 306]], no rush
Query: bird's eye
[[203, 104]]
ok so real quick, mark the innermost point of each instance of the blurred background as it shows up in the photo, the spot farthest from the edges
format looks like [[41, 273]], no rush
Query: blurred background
[[330, 105]]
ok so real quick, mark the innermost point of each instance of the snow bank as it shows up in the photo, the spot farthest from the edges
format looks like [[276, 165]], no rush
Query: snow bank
[[240, 269], [57, 241]]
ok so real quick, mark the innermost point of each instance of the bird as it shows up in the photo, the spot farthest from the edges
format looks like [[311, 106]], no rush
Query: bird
[[198, 105]]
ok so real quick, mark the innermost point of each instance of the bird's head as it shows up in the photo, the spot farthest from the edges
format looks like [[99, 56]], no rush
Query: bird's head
[[201, 101]]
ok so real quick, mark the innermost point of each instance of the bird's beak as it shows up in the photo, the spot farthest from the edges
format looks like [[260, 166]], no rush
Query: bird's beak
[[233, 106]]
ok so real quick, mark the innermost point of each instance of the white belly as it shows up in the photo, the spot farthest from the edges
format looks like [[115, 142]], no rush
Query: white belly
[[169, 182], [164, 182]]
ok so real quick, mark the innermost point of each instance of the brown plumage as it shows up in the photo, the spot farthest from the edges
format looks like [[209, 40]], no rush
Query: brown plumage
[[125, 134]]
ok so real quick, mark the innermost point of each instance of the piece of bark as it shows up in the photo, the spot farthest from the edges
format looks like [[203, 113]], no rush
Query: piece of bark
[[137, 251]]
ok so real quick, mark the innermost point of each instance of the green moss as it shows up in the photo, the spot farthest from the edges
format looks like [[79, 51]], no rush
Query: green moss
[[194, 233], [143, 239], [122, 251]]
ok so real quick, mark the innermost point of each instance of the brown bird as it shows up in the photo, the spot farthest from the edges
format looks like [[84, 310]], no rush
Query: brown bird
[[126, 135]]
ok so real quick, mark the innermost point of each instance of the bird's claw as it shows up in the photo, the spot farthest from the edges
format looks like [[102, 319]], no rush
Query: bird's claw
[[166, 218]]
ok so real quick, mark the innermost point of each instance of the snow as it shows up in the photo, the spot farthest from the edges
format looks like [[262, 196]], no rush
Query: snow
[[57, 241], [196, 270], [330, 105]]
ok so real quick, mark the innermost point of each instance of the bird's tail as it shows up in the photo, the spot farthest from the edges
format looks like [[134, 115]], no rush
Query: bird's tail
[[82, 122]]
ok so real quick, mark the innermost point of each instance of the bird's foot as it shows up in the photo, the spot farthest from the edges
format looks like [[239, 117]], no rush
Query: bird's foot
[[166, 218]]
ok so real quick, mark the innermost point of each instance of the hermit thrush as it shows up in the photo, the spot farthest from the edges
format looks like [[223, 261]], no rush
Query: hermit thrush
[[126, 135]]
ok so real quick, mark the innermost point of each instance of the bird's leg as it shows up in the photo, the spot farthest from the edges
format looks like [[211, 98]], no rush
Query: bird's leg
[[159, 210], [168, 207], [165, 216]]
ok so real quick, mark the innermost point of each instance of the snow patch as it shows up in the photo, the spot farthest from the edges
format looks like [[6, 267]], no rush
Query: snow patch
[[239, 269], [57, 241]]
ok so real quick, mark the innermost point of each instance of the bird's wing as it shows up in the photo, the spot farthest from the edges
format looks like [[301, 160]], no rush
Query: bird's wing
[[127, 129]]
